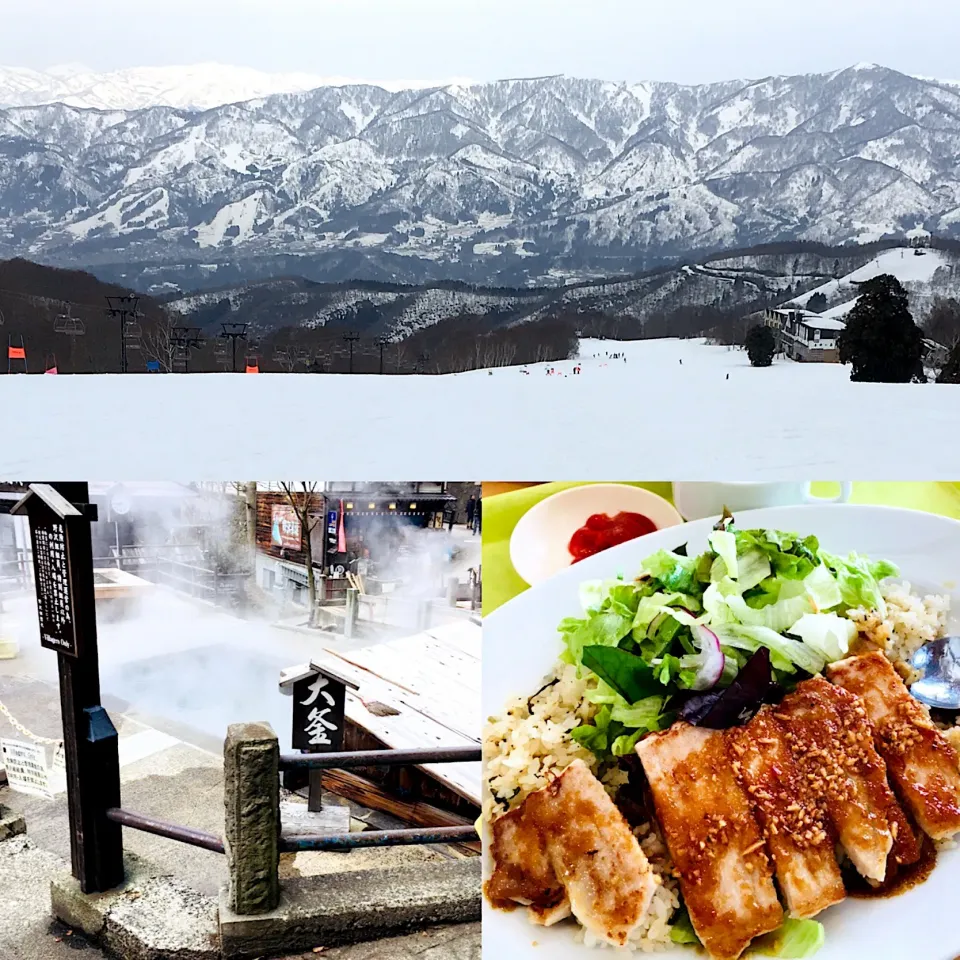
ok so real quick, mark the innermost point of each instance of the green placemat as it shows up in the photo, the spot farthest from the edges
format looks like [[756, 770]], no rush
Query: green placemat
[[502, 513]]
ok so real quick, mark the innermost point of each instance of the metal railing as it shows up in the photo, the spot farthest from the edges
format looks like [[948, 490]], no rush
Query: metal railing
[[347, 841], [161, 828], [189, 579], [376, 758], [379, 838]]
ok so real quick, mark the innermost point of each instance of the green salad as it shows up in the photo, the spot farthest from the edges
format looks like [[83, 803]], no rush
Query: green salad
[[689, 625]]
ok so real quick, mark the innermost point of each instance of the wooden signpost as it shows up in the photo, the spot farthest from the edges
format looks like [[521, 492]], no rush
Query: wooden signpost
[[60, 516], [319, 703]]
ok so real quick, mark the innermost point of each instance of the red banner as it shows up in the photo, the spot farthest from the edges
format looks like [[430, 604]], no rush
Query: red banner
[[16, 353], [341, 533]]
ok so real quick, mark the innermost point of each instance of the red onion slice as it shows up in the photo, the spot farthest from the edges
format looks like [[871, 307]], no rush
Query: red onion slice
[[711, 656]]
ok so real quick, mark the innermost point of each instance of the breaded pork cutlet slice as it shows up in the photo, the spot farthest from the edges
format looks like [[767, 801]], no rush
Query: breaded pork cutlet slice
[[798, 836], [832, 742], [567, 849], [715, 842], [922, 764]]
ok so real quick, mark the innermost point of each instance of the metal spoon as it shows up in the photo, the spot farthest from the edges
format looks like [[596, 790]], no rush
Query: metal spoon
[[938, 664]]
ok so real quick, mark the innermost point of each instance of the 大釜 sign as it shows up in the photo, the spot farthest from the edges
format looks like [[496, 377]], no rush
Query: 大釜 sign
[[318, 711], [285, 529]]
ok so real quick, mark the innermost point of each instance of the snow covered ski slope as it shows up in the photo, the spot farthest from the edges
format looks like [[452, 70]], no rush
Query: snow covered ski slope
[[917, 271], [672, 408]]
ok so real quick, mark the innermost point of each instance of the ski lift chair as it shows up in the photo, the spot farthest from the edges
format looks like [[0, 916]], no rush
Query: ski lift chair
[[68, 324]]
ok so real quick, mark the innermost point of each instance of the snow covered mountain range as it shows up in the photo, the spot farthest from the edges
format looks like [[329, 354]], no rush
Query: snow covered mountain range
[[512, 182]]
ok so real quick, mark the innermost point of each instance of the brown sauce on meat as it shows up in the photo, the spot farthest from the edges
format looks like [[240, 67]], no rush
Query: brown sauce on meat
[[906, 878]]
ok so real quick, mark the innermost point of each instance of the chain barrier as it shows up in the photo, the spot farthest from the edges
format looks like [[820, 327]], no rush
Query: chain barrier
[[20, 728], [58, 755]]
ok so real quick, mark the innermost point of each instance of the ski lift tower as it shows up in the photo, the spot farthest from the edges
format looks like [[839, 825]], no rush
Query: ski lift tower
[[70, 326], [126, 309], [351, 339], [233, 332]]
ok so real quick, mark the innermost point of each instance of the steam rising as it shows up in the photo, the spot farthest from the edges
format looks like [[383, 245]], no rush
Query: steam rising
[[182, 662]]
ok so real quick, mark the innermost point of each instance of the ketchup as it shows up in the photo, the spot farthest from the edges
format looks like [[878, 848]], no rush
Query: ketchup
[[601, 532]]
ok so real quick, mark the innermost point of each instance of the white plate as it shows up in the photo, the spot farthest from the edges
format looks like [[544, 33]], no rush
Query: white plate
[[540, 540], [521, 646]]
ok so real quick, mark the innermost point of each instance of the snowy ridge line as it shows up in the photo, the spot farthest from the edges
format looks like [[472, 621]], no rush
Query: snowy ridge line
[[527, 181], [726, 283]]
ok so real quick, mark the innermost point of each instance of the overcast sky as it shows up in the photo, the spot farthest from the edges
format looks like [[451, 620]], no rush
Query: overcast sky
[[689, 41]]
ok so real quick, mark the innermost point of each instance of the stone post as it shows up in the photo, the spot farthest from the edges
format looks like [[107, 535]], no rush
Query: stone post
[[423, 615], [350, 618], [251, 788]]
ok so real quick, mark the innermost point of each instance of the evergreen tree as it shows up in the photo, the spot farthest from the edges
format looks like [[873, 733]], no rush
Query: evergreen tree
[[943, 322], [951, 369], [761, 345], [880, 340], [817, 303]]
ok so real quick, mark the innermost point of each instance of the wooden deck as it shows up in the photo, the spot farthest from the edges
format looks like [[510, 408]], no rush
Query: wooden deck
[[432, 681]]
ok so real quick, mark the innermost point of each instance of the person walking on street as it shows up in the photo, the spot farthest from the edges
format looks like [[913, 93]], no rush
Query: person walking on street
[[476, 518], [450, 515], [471, 510]]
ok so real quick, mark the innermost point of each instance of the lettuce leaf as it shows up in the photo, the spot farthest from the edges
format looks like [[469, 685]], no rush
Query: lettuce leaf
[[677, 574], [859, 580], [629, 675], [791, 557], [795, 940], [786, 652], [601, 629], [641, 715], [826, 633], [596, 736], [653, 606], [682, 929], [724, 545]]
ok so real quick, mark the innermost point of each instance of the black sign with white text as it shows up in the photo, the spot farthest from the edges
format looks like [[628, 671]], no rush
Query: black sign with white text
[[318, 710]]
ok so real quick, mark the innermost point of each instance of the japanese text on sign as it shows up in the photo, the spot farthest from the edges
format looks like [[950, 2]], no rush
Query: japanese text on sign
[[285, 528], [318, 713], [26, 765], [318, 722], [52, 570]]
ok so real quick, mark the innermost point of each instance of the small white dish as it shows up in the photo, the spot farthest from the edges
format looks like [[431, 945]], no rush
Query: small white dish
[[539, 543]]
